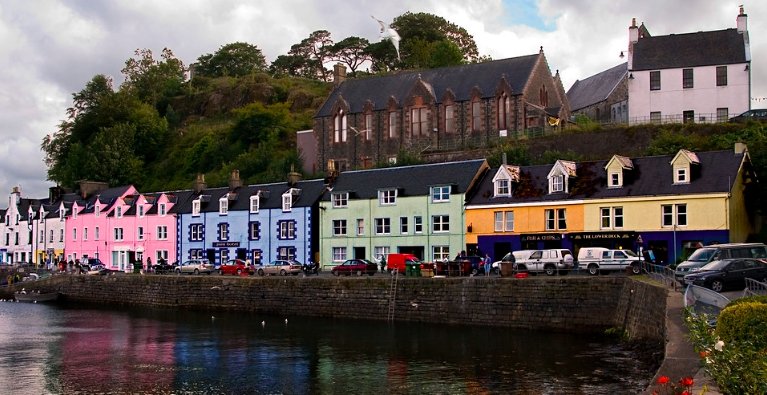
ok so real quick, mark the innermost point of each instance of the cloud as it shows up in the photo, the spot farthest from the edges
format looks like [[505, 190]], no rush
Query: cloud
[[52, 48]]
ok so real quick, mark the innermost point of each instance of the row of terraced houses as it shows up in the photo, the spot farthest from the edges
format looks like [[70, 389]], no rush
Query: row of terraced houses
[[665, 203]]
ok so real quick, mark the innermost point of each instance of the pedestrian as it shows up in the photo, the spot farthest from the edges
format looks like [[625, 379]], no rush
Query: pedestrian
[[383, 264], [149, 264], [488, 264]]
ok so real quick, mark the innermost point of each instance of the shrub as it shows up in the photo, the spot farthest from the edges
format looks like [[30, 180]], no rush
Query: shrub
[[746, 321], [750, 299]]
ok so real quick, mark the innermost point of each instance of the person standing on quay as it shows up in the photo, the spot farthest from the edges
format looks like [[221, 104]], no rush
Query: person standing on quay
[[488, 264]]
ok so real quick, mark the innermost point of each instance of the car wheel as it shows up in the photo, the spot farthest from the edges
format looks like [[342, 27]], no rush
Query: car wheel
[[196, 271], [220, 272], [283, 272], [593, 269], [178, 271], [359, 273], [261, 272], [550, 270], [336, 273], [239, 272], [717, 285], [636, 268]]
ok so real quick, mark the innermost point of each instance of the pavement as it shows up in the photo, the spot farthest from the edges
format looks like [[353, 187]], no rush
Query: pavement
[[681, 359]]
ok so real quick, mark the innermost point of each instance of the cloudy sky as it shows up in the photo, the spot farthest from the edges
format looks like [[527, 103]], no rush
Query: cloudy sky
[[49, 49]]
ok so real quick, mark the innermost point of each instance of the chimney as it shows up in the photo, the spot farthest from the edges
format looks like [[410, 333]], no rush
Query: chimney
[[234, 180], [199, 183], [339, 74], [742, 21], [89, 188], [293, 177], [503, 158], [633, 39]]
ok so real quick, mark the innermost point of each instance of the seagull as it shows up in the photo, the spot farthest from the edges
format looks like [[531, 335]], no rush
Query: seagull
[[388, 33], [213, 318], [286, 321], [358, 132], [263, 324]]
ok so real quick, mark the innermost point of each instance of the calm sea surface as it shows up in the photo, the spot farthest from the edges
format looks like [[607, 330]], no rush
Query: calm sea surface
[[65, 350]]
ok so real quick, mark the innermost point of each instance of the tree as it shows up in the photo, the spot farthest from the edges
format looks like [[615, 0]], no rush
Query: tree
[[419, 28], [153, 81], [351, 52], [307, 58], [235, 60]]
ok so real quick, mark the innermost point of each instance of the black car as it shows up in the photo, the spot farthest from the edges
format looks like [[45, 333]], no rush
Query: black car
[[728, 273], [164, 268], [753, 115]]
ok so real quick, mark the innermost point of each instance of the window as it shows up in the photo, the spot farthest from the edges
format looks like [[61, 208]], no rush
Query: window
[[50, 236], [509, 221], [85, 233], [368, 126], [118, 234], [141, 210], [449, 119], [195, 232], [722, 114], [504, 109], [387, 197], [502, 187], [392, 124], [721, 75], [287, 253], [255, 203], [440, 223], [339, 254], [419, 121], [440, 194], [119, 211], [61, 235], [403, 225], [655, 117], [680, 175], [162, 232], [287, 230], [383, 226], [62, 212], [140, 233], [97, 210], [340, 199], [287, 201], [223, 232], [339, 227], [440, 253], [655, 80], [688, 116], [223, 205], [360, 226], [254, 230], [615, 180], [74, 233], [687, 81], [224, 254], [618, 217], [339, 122], [611, 217], [95, 233], [42, 235], [672, 212], [476, 118], [162, 209], [556, 219], [161, 255], [504, 221], [557, 183], [418, 224], [380, 252], [195, 207]]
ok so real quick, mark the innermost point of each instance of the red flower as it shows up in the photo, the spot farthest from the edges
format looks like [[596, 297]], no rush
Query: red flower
[[685, 393], [663, 380], [686, 382]]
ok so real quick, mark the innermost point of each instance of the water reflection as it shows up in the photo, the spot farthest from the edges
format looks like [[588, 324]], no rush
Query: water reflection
[[48, 349]]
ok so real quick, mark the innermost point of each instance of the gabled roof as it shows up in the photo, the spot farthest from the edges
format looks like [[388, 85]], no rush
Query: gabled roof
[[719, 47], [460, 80], [596, 88], [624, 162], [652, 177], [414, 180]]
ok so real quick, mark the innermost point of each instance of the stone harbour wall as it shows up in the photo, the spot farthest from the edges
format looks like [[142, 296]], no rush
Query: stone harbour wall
[[571, 304]]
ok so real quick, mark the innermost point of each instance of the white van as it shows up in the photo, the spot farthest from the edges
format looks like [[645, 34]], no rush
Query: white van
[[551, 261], [596, 259]]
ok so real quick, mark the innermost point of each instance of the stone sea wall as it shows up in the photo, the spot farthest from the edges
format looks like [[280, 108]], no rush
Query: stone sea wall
[[571, 304]]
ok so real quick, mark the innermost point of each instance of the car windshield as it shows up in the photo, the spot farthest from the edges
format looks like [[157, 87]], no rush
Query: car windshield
[[702, 255], [715, 265], [630, 253]]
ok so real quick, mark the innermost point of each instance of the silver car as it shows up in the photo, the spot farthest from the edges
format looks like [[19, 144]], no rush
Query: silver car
[[280, 267], [195, 266]]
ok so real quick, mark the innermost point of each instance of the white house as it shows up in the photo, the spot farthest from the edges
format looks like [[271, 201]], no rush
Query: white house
[[690, 77]]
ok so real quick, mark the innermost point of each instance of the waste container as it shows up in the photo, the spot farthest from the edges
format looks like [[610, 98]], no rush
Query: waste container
[[507, 269], [412, 269], [137, 266]]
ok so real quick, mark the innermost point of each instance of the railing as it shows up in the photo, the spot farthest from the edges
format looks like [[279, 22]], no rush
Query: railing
[[754, 288], [680, 118], [661, 273]]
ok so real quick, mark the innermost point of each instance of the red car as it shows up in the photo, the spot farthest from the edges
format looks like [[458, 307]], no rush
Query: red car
[[235, 267], [355, 266]]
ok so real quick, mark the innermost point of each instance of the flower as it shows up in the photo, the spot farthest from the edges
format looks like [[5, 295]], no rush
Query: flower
[[686, 382], [663, 380], [719, 345]]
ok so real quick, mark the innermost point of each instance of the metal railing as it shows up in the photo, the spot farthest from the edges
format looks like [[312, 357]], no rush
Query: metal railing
[[661, 273], [754, 288]]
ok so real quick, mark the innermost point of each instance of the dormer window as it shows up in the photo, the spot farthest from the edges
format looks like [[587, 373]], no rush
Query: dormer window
[[557, 184], [440, 194], [502, 187], [616, 168], [74, 213], [387, 197], [162, 209], [559, 176], [62, 213], [682, 164], [340, 199], [255, 202], [287, 199], [119, 212], [615, 180], [196, 207], [680, 176], [223, 205], [141, 210], [96, 210]]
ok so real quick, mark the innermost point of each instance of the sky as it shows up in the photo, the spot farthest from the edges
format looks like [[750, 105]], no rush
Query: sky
[[49, 49]]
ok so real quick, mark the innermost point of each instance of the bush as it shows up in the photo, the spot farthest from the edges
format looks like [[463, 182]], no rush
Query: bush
[[745, 321], [750, 299]]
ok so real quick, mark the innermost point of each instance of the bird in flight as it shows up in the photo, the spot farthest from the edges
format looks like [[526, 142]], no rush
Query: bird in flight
[[388, 33]]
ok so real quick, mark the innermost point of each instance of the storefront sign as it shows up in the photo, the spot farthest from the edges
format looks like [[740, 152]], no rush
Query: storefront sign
[[226, 244], [604, 236], [541, 237]]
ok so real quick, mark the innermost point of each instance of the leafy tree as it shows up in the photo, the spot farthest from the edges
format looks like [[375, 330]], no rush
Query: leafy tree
[[351, 51], [153, 81], [415, 29], [235, 59], [289, 65], [307, 58]]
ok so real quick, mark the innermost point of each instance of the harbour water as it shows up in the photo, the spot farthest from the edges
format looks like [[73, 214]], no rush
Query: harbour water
[[84, 350]]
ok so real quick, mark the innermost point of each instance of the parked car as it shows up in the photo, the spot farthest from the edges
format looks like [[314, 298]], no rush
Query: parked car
[[549, 261], [600, 259], [355, 266], [728, 273], [704, 255], [164, 268], [98, 270], [755, 115], [86, 265], [235, 267], [195, 266], [280, 267]]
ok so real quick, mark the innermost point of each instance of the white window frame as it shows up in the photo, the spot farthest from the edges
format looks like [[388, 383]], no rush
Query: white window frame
[[340, 200], [440, 194], [614, 179], [557, 183], [140, 233], [162, 232], [118, 234], [403, 225], [418, 224], [387, 197], [141, 211], [223, 231], [383, 226], [196, 203], [162, 209], [119, 212], [681, 175], [255, 204], [502, 187], [223, 205], [360, 226], [555, 219], [440, 253], [339, 227], [287, 202], [440, 223], [85, 234], [339, 254]]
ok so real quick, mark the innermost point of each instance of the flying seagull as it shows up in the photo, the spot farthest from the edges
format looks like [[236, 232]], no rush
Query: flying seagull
[[388, 33]]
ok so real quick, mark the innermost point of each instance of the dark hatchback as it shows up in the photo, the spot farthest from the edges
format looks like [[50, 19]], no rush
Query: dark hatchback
[[728, 274], [750, 115], [355, 266], [164, 268]]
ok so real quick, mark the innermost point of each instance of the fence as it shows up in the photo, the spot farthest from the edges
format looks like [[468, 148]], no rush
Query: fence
[[754, 288], [661, 273]]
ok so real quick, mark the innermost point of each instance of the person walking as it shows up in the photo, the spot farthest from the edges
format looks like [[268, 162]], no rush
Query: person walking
[[488, 265]]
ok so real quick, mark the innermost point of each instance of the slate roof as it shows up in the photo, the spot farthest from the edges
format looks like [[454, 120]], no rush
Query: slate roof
[[459, 79], [651, 176], [717, 47], [596, 88], [409, 180]]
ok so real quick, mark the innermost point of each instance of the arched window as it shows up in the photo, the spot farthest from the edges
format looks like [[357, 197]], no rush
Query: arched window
[[476, 116], [544, 96], [504, 111], [339, 123]]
